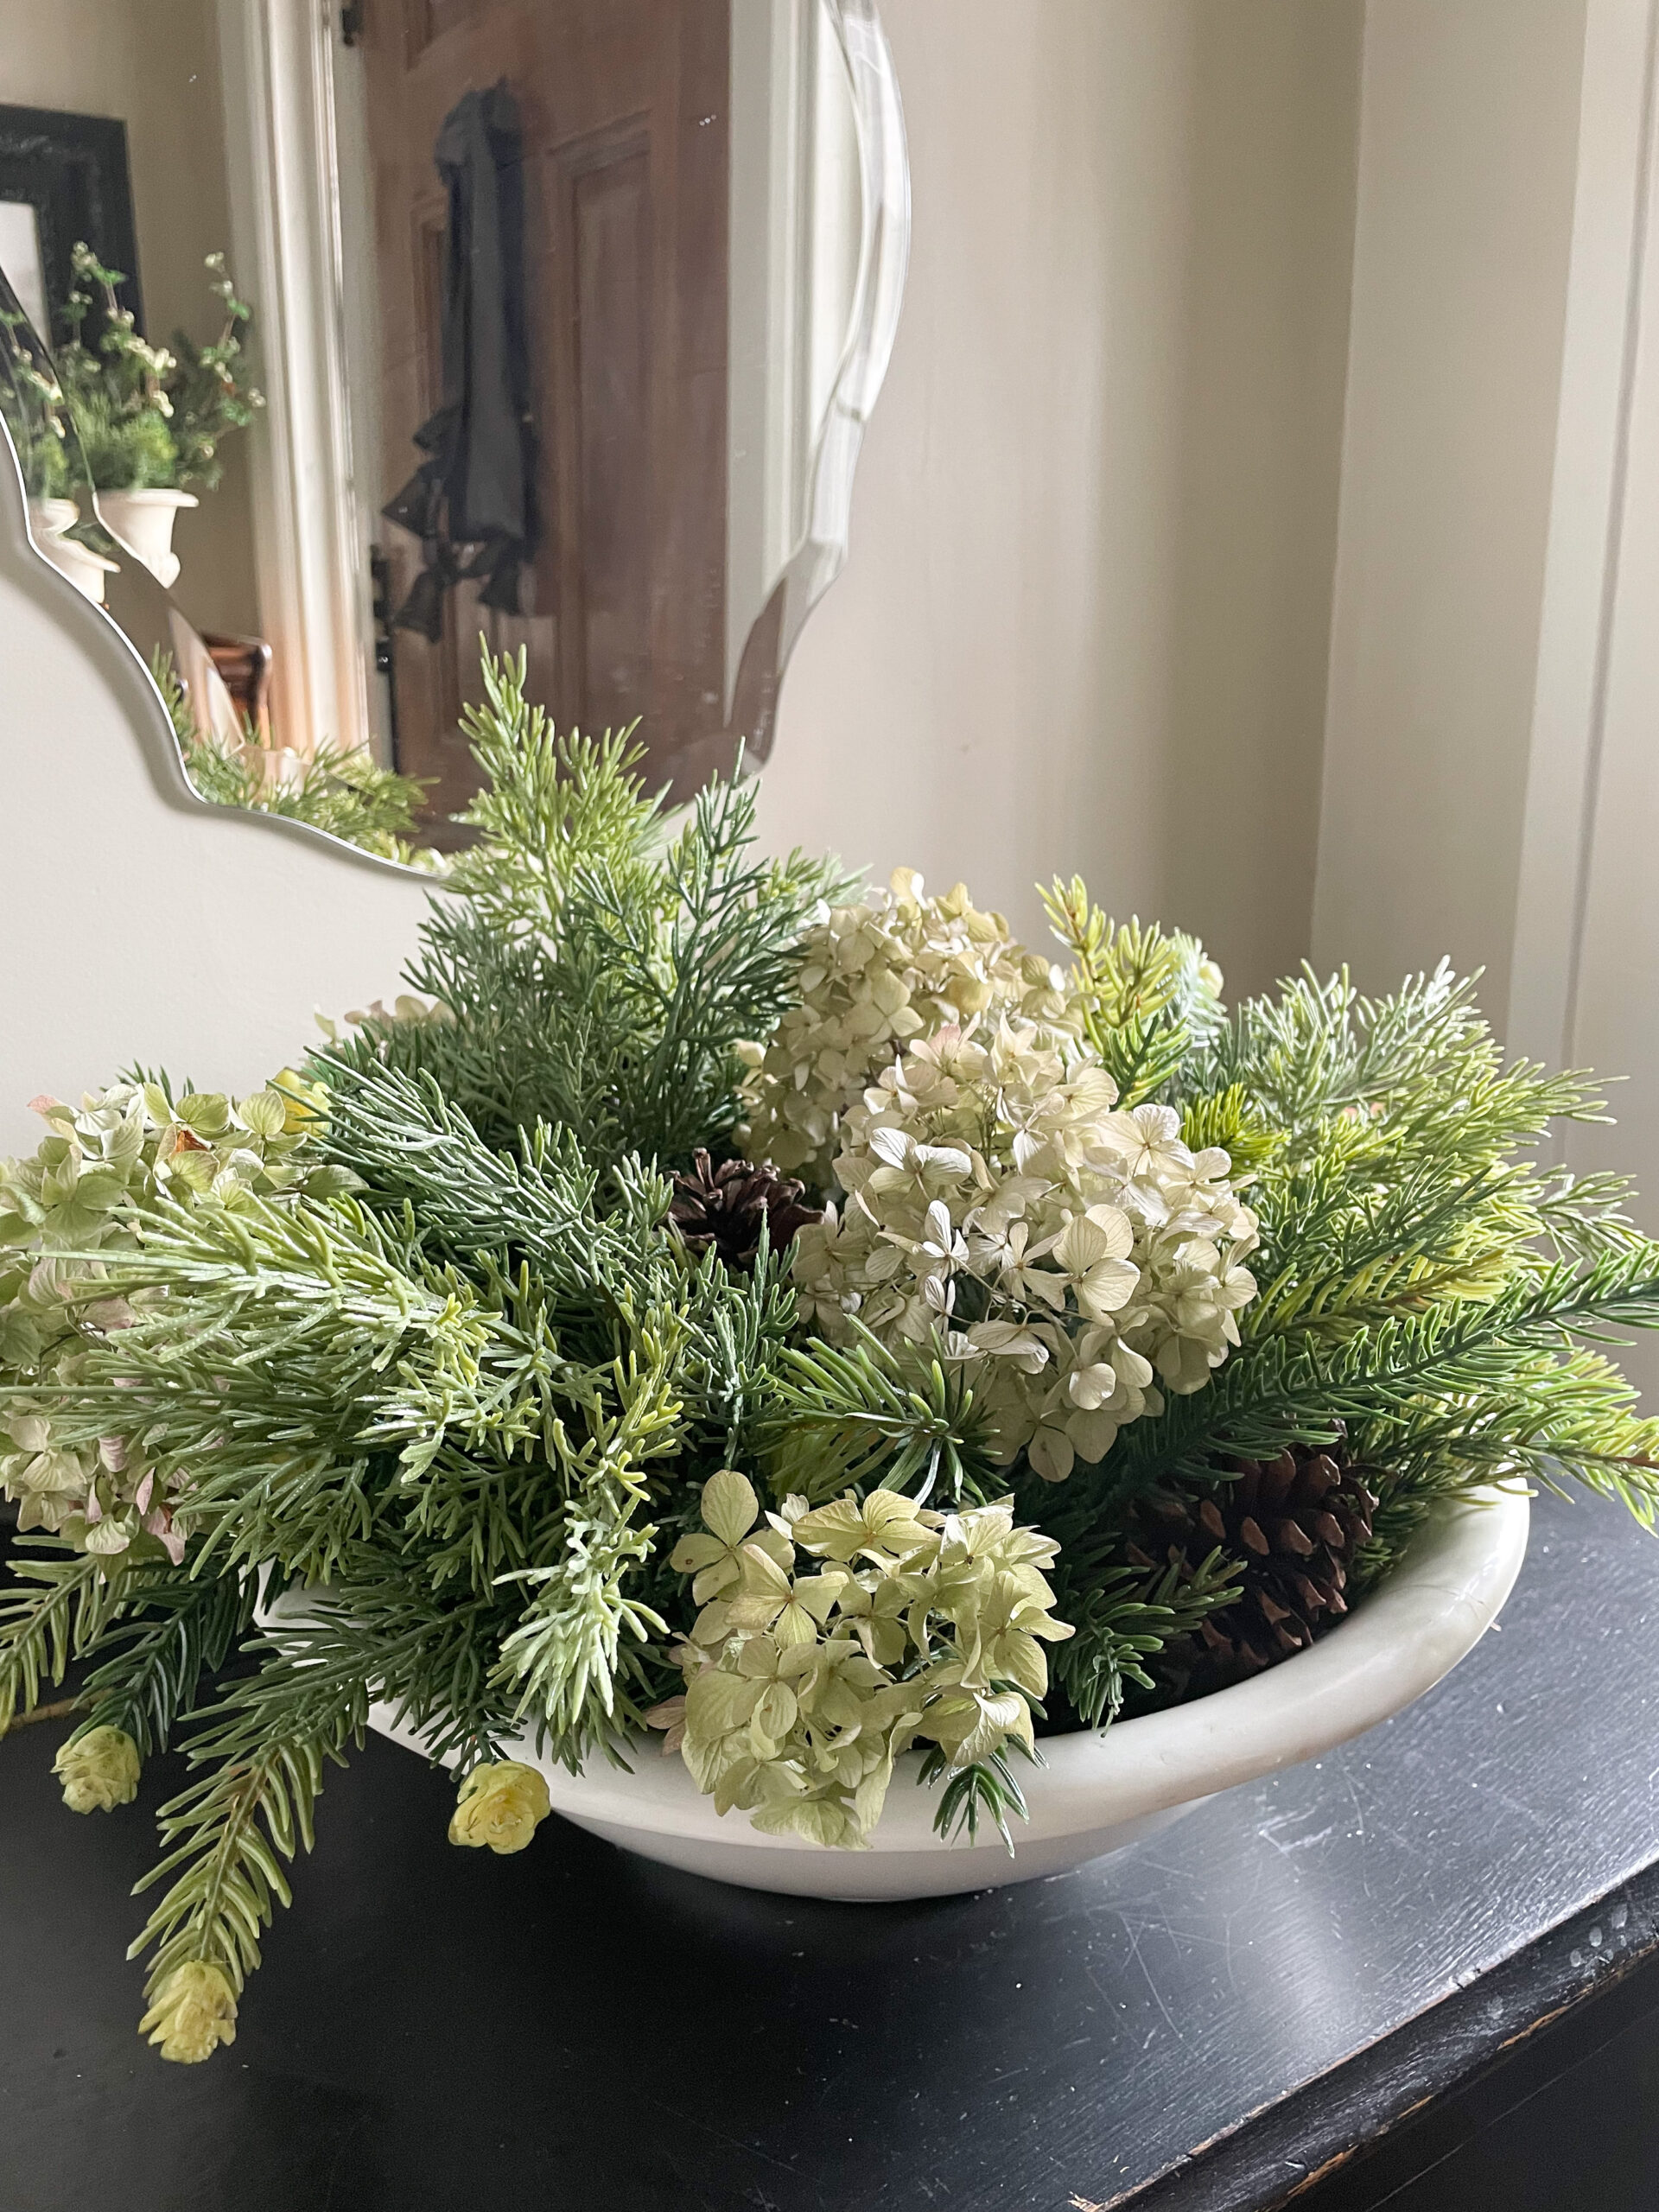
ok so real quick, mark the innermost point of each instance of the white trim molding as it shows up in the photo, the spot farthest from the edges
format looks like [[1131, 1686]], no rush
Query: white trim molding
[[1500, 315], [1608, 280], [276, 57]]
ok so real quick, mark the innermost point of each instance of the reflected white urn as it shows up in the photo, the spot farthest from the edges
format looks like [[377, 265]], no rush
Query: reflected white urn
[[144, 522], [48, 521]]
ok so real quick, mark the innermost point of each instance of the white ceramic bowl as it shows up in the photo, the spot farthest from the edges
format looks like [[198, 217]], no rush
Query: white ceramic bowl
[[1096, 1793]]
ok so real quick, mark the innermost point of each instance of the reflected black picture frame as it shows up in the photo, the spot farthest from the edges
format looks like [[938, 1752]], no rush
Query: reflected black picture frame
[[73, 170]]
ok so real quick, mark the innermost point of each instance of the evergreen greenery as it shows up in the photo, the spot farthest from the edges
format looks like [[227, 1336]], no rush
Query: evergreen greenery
[[449, 1379], [598, 970]]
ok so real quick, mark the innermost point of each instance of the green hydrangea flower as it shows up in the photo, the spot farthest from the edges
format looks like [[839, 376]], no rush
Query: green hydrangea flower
[[803, 1690]]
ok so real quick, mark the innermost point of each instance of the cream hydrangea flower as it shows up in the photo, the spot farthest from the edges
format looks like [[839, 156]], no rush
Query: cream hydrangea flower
[[194, 2011], [1082, 1256], [876, 978], [99, 1771], [500, 1807], [803, 1690]]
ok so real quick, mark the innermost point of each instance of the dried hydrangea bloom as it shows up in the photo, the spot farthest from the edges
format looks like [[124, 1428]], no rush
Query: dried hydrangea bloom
[[874, 978], [1104, 1257], [803, 1690], [131, 1140]]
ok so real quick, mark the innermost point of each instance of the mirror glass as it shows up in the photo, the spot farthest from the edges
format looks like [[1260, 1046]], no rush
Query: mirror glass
[[611, 285]]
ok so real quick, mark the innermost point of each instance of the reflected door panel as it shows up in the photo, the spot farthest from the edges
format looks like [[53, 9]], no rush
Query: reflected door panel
[[622, 107]]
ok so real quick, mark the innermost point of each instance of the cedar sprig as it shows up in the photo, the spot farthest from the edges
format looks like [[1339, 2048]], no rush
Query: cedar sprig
[[600, 969]]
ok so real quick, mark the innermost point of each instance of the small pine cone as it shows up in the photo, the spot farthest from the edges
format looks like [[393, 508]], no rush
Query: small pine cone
[[1295, 1523], [725, 1206]]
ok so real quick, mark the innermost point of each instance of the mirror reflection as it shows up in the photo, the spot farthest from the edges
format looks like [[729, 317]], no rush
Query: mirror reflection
[[95, 426], [609, 278]]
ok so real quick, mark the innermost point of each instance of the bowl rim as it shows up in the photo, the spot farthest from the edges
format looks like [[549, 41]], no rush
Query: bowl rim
[[1440, 1600]]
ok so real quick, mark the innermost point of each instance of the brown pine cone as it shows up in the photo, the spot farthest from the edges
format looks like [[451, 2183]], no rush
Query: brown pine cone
[[1295, 1523], [725, 1206]]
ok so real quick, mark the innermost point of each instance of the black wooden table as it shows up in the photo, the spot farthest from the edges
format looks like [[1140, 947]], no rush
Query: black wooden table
[[1405, 1944]]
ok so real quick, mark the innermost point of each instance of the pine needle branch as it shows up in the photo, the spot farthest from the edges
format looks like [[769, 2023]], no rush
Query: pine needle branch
[[225, 1837], [52, 1616], [851, 1418], [173, 1628]]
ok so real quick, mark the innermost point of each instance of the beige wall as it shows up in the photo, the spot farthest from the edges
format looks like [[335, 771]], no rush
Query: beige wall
[[1468, 168], [154, 64], [1084, 623]]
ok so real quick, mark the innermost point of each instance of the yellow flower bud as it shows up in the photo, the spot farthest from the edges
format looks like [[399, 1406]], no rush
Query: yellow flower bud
[[501, 1806], [193, 2013], [99, 1771], [304, 1103]]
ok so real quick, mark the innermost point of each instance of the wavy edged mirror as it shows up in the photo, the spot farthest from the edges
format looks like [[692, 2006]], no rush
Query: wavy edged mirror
[[570, 319]]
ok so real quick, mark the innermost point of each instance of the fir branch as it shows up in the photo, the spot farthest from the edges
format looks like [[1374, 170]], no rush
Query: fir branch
[[986, 1790], [172, 1627], [1123, 1616], [425, 1653], [421, 1159], [252, 1385], [225, 1837], [1506, 1350], [1231, 1122], [50, 1617], [1146, 998], [709, 963], [737, 1330], [599, 978], [566, 1657]]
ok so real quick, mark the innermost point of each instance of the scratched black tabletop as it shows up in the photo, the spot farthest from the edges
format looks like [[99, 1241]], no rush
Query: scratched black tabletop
[[575, 2028]]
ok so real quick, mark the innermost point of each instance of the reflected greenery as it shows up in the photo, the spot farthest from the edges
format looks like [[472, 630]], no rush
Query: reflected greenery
[[348, 794]]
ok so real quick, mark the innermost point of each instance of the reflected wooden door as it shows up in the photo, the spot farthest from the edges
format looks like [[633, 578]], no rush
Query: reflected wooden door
[[623, 106]]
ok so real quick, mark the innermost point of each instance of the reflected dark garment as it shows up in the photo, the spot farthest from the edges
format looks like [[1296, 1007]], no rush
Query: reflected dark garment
[[472, 502]]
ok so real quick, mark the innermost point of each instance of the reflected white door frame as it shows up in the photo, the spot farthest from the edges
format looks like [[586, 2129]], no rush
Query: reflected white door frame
[[310, 535]]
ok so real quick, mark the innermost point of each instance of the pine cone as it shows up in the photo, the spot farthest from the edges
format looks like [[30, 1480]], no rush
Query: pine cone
[[725, 1206], [1296, 1522]]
